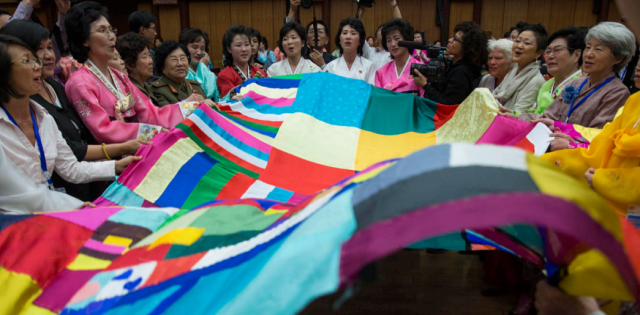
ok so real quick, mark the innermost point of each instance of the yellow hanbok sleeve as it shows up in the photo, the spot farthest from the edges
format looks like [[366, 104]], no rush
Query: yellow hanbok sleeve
[[591, 133]]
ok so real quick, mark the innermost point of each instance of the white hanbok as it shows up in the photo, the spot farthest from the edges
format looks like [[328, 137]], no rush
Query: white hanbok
[[283, 67], [362, 69], [376, 55]]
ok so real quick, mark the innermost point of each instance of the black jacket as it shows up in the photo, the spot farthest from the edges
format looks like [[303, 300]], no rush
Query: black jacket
[[75, 133], [459, 82]]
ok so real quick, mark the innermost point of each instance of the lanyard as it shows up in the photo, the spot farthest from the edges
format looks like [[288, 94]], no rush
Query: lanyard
[[571, 109], [43, 159]]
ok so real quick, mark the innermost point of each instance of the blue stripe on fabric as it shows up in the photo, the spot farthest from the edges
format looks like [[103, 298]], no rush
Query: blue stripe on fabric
[[274, 83], [231, 139], [186, 180], [248, 102], [122, 195], [262, 132], [266, 204], [280, 194]]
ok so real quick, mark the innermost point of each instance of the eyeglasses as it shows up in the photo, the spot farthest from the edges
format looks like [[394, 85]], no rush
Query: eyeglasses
[[174, 60], [30, 62], [106, 31], [311, 31], [456, 39], [555, 50]]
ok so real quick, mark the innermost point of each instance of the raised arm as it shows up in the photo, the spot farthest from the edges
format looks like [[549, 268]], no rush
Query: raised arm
[[394, 6], [293, 11], [24, 10]]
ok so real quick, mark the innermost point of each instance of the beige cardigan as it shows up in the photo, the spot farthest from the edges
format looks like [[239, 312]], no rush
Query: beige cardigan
[[518, 91]]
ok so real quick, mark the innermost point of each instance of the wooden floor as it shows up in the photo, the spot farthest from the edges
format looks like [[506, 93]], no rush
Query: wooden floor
[[415, 282]]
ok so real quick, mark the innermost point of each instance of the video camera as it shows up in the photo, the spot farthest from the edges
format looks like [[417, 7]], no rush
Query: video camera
[[364, 3], [437, 67]]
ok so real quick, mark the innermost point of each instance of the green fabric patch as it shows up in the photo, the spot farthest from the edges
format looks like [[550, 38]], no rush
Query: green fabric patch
[[390, 113], [209, 186], [250, 124]]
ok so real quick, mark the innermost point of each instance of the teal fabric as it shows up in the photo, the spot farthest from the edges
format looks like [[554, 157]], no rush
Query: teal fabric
[[207, 80]]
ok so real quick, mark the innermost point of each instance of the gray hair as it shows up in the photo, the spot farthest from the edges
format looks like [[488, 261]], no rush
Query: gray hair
[[618, 38], [504, 45]]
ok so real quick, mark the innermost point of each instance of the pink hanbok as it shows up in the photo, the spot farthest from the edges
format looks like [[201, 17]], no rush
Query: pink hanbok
[[121, 113], [387, 78]]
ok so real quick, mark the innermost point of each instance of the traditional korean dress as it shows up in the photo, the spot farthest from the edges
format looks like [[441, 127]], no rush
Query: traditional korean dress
[[362, 69], [387, 78], [283, 68]]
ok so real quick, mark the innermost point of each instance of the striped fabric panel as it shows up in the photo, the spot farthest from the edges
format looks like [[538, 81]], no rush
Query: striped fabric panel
[[252, 112]]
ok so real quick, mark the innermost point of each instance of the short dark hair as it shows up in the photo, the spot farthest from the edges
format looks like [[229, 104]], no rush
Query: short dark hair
[[163, 51], [265, 42], [371, 38], [357, 25], [140, 19], [130, 45], [540, 33], [320, 22], [474, 43], [160, 38], [423, 35], [6, 90], [227, 39], [29, 32], [192, 34], [574, 37], [401, 25], [291, 26], [4, 11], [78, 24], [519, 26], [252, 32]]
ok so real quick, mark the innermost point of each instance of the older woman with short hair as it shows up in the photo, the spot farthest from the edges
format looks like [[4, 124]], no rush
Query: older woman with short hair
[[592, 101], [519, 89], [172, 60], [499, 62], [564, 59]]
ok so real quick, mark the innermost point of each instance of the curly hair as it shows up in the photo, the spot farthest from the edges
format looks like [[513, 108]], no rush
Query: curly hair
[[574, 37], [192, 34], [227, 39], [78, 25], [130, 45], [540, 33], [474, 43], [291, 26], [356, 25], [164, 50], [400, 25]]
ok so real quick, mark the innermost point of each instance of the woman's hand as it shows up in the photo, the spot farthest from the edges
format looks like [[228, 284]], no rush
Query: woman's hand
[[132, 146], [211, 104], [295, 3], [205, 59], [418, 78], [123, 163], [316, 57], [164, 130], [588, 175], [259, 66], [238, 97], [553, 301], [558, 144], [63, 6], [546, 121], [87, 204], [562, 136], [195, 97]]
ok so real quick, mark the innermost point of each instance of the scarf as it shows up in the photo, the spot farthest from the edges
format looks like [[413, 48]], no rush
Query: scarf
[[514, 82]]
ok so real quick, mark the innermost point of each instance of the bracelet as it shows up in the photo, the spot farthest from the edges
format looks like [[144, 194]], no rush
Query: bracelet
[[104, 149], [394, 6]]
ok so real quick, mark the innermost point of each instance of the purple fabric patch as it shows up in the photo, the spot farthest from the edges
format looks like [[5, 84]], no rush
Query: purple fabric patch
[[89, 218], [506, 131], [61, 289]]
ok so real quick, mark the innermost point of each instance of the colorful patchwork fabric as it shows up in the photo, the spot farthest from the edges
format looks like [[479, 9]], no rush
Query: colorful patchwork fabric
[[239, 256]]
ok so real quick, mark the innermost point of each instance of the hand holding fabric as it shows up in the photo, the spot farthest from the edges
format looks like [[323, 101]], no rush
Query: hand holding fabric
[[588, 175], [553, 301], [546, 121], [122, 164]]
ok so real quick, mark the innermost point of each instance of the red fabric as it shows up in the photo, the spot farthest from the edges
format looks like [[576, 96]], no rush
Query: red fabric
[[443, 114], [293, 173], [229, 79], [227, 109], [140, 255], [235, 187], [167, 269], [41, 246]]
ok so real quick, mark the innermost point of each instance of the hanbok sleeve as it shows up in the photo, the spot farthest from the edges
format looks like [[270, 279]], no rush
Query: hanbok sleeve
[[208, 81], [621, 185], [225, 83], [370, 74], [378, 81]]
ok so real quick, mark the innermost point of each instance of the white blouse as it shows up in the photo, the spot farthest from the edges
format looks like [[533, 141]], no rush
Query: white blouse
[[20, 195], [59, 156], [377, 56], [362, 69], [283, 67]]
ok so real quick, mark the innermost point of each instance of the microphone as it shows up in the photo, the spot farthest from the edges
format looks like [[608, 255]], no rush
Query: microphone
[[412, 45]]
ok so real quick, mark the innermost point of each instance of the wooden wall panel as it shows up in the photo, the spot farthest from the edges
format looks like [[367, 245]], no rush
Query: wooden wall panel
[[584, 13], [241, 12], [221, 20], [262, 18], [428, 20], [514, 11], [493, 17], [340, 9], [540, 11], [199, 16], [279, 13], [145, 6], [460, 11], [411, 11], [562, 15], [614, 14], [306, 15], [169, 20]]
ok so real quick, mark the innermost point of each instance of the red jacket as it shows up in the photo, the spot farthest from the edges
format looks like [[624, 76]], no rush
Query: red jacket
[[229, 79]]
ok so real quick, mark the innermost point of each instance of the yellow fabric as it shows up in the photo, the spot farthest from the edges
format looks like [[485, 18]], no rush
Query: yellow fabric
[[36, 310], [84, 262], [118, 241], [396, 146], [471, 120], [181, 222], [591, 133], [591, 274], [185, 236], [615, 154], [333, 146], [168, 165], [368, 175], [274, 211], [611, 308], [17, 292]]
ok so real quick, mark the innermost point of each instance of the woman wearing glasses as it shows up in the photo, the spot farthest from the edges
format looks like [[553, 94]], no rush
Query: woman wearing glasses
[[29, 135], [172, 60], [564, 59], [111, 107]]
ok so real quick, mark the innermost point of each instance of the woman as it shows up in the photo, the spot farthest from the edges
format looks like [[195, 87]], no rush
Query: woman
[[197, 41], [292, 39], [420, 37], [134, 50], [266, 55], [350, 40], [515, 31], [254, 39], [564, 59], [28, 134], [54, 100], [500, 63], [172, 60], [158, 42], [117, 63], [437, 43], [592, 101], [371, 41], [520, 87], [111, 107], [395, 75], [468, 47], [236, 49]]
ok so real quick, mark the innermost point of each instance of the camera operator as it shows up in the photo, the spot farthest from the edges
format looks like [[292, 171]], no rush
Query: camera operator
[[468, 47], [315, 54]]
